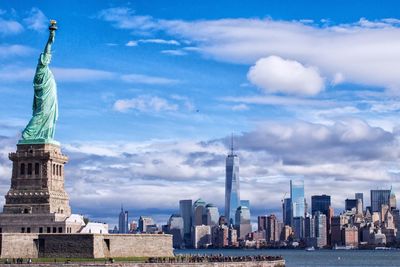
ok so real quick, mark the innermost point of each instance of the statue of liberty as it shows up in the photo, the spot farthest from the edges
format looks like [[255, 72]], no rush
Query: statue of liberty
[[41, 127]]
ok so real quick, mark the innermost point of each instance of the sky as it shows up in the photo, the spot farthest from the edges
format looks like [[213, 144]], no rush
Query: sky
[[151, 91]]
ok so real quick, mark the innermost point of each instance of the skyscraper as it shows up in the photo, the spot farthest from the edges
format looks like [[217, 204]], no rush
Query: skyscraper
[[379, 198], [321, 204], [232, 189], [212, 215], [199, 215], [185, 210], [287, 211], [123, 222], [175, 228], [297, 198], [243, 224], [320, 229]]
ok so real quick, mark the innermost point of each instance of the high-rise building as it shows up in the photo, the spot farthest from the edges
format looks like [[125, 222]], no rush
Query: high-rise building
[[309, 226], [360, 196], [232, 186], [123, 222], [262, 223], [287, 211], [175, 228], [298, 227], [320, 229], [297, 198], [212, 215], [378, 198], [185, 210], [221, 239], [272, 234], [243, 224], [350, 204], [199, 215], [321, 204]]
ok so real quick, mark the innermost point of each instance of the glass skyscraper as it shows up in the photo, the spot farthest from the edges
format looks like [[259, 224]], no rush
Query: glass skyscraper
[[320, 203], [297, 198], [232, 190], [379, 198]]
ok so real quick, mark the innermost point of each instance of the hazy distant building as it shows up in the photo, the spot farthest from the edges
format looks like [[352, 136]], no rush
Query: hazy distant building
[[199, 215], [379, 198], [297, 198], [232, 186], [360, 196], [175, 228], [144, 223], [243, 224], [201, 236], [245, 202], [212, 215], [392, 200], [123, 222]]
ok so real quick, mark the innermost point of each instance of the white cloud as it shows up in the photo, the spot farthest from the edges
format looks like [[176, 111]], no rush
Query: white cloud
[[159, 41], [82, 74], [274, 74], [240, 107], [14, 50], [36, 20], [175, 52], [145, 104], [131, 43], [365, 52], [8, 27], [146, 79]]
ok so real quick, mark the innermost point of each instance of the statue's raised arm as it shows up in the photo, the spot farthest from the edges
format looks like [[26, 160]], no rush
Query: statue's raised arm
[[50, 41], [41, 127]]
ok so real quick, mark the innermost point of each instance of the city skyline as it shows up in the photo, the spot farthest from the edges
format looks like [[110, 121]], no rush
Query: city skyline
[[147, 103]]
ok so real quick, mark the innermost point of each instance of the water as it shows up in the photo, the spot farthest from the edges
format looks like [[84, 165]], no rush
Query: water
[[317, 258]]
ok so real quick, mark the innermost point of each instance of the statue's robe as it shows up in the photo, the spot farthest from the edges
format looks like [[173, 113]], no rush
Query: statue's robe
[[45, 108]]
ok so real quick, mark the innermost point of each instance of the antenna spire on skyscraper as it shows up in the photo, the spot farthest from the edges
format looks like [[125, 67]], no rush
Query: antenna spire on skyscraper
[[232, 144]]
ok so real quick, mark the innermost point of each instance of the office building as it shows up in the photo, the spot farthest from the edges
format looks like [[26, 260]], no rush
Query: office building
[[175, 228], [298, 228], [272, 229], [232, 186], [243, 224], [321, 204], [199, 215], [123, 222], [297, 198], [360, 196], [379, 198], [287, 211], [212, 215], [201, 236], [350, 204], [320, 229], [185, 210], [245, 202], [261, 223]]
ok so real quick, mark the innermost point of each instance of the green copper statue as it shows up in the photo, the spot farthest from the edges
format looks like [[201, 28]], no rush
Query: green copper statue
[[41, 127]]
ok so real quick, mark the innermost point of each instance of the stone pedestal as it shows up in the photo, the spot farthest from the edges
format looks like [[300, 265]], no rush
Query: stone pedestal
[[37, 201]]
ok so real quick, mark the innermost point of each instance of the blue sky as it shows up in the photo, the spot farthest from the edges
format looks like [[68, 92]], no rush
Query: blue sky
[[150, 91]]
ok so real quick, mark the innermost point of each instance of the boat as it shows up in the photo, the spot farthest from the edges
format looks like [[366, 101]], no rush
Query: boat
[[310, 249]]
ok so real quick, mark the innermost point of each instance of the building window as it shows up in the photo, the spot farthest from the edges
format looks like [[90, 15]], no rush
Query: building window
[[22, 170], [40, 229], [23, 230], [59, 167], [54, 229], [36, 168], [48, 230], [28, 230], [60, 229], [54, 169], [29, 168], [1, 230]]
